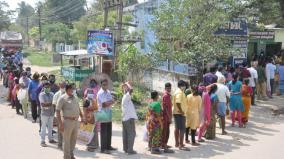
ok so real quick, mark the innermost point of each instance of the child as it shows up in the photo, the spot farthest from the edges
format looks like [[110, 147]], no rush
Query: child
[[193, 113], [246, 97], [154, 124]]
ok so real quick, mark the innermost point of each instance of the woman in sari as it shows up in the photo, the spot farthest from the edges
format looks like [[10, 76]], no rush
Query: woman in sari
[[211, 129], [246, 97], [154, 124], [236, 103]]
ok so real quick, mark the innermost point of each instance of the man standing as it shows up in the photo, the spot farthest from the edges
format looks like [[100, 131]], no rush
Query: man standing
[[53, 86], [128, 120], [253, 81], [261, 82], [105, 101], [69, 105], [270, 73], [55, 100], [167, 117], [47, 114], [32, 91], [180, 104]]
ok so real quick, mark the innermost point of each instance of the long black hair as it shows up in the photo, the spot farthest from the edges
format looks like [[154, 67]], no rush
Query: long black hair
[[235, 78], [213, 89], [194, 89]]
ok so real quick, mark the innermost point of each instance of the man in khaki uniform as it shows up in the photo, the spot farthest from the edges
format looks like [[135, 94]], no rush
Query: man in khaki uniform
[[69, 105]]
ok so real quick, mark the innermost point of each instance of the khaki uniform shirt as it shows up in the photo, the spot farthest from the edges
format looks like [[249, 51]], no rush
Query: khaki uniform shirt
[[69, 106]]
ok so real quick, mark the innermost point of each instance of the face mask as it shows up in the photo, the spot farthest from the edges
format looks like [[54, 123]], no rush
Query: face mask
[[46, 90], [90, 96], [92, 85], [52, 81]]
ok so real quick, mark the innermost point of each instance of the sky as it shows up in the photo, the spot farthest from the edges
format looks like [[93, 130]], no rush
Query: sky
[[13, 4]]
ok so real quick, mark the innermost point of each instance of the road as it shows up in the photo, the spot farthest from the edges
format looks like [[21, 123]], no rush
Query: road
[[262, 139]]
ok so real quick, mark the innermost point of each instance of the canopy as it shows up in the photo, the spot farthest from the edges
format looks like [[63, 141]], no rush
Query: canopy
[[77, 54]]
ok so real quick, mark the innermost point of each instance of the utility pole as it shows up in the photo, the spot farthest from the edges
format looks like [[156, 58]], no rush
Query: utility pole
[[28, 31]]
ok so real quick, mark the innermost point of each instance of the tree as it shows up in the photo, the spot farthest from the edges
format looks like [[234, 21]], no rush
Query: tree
[[34, 32], [56, 32], [64, 11], [26, 11], [4, 16], [132, 62], [185, 30]]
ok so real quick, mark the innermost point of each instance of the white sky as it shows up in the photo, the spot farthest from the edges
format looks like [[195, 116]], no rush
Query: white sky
[[13, 4]]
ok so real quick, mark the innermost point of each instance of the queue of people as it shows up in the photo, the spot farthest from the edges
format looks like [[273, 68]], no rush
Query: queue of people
[[194, 109]]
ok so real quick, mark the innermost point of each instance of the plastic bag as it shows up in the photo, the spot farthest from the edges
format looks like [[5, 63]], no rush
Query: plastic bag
[[145, 134], [22, 94]]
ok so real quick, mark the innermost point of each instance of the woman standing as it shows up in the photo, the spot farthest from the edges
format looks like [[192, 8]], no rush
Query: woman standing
[[154, 124], [192, 114], [281, 77], [246, 97], [205, 113], [236, 103], [211, 130]]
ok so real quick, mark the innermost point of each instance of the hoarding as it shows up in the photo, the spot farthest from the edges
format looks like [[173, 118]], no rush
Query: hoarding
[[100, 42], [236, 27]]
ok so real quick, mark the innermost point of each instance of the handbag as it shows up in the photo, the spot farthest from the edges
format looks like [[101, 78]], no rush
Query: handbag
[[104, 115]]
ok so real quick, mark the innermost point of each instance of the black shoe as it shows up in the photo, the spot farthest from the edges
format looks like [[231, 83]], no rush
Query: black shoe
[[52, 142], [43, 144], [106, 152], [112, 149], [132, 153]]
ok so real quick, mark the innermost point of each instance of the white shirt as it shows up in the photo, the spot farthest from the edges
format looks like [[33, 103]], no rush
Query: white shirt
[[56, 96], [271, 68], [253, 76], [222, 92], [219, 74], [128, 108], [103, 96]]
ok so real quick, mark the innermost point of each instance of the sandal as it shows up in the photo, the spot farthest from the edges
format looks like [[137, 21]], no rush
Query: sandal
[[201, 140], [224, 133], [184, 148]]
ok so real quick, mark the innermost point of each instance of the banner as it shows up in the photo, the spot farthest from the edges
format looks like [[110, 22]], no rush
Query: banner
[[236, 27], [100, 42], [85, 133]]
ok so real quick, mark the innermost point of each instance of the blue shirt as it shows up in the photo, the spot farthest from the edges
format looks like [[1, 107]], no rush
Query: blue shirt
[[33, 86]]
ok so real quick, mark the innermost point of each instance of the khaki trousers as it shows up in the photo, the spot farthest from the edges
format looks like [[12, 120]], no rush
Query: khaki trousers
[[261, 90], [69, 137]]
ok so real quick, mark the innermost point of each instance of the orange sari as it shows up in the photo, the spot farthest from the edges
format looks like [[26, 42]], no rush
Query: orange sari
[[246, 97]]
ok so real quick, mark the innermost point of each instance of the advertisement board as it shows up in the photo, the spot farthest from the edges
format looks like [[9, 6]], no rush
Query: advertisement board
[[236, 27], [100, 42]]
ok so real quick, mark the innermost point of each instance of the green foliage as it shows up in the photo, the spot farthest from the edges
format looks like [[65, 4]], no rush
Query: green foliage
[[56, 32], [132, 61], [34, 32], [4, 16], [64, 11], [185, 30]]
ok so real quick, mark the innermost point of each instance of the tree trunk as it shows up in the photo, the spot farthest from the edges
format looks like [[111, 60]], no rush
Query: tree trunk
[[282, 8]]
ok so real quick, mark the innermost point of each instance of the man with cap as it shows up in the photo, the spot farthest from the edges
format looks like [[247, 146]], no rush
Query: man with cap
[[68, 104]]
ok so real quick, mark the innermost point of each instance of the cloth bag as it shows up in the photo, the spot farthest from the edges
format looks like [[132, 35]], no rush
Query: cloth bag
[[104, 115], [22, 94]]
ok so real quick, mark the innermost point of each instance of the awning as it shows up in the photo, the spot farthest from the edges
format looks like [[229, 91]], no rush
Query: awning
[[78, 54]]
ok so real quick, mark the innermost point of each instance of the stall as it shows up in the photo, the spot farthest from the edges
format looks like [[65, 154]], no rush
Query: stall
[[81, 65]]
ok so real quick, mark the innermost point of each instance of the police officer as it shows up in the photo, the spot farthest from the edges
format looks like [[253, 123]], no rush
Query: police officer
[[69, 105]]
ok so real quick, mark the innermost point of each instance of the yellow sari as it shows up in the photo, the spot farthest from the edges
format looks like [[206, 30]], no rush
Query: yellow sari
[[246, 97]]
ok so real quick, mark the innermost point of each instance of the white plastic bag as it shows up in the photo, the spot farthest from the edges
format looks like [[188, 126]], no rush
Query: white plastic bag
[[22, 94], [145, 134]]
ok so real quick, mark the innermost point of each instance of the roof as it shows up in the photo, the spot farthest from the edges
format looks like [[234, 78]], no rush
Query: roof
[[78, 54]]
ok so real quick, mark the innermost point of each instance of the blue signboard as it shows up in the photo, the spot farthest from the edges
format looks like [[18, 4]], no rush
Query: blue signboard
[[100, 42], [234, 28]]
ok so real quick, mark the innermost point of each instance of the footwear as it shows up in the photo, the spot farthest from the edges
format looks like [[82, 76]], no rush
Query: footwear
[[132, 153], [112, 149], [73, 157], [157, 152], [169, 151], [52, 141], [224, 133], [195, 144], [106, 152], [34, 121], [90, 149], [60, 147], [201, 140], [184, 148], [43, 144], [168, 146], [187, 141]]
